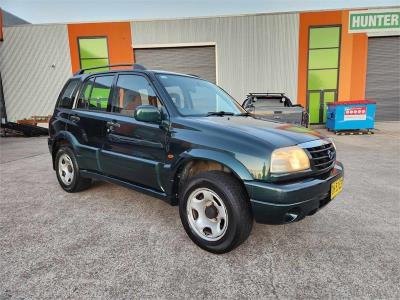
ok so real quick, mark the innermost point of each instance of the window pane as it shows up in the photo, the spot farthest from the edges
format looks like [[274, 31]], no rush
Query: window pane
[[193, 96], [322, 79], [85, 94], [324, 37], [328, 97], [176, 94], [100, 93], [93, 48], [132, 91], [323, 58], [276, 102], [72, 84], [313, 106], [89, 63], [66, 99]]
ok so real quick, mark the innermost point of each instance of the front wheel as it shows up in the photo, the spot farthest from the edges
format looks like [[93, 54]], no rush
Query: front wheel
[[215, 211]]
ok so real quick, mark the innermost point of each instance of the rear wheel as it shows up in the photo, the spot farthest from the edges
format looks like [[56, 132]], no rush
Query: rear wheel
[[68, 171], [215, 211]]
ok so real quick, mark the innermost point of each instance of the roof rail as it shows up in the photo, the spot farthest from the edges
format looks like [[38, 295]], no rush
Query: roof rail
[[267, 93], [134, 67]]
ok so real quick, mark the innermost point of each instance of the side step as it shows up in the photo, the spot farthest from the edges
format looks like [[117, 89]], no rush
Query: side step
[[148, 191]]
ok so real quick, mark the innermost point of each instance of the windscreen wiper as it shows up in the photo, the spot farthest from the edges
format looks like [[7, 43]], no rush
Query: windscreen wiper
[[220, 113], [244, 114]]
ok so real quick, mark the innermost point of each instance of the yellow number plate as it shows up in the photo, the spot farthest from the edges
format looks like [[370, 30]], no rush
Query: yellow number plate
[[336, 187]]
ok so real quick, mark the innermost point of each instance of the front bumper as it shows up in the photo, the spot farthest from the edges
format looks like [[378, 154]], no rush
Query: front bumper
[[274, 203]]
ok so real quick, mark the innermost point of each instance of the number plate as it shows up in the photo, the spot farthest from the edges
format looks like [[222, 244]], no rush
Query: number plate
[[336, 187]]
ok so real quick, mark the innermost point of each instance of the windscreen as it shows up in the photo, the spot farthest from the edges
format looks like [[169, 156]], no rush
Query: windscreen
[[197, 97]]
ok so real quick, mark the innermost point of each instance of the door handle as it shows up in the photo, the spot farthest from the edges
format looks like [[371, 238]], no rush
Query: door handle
[[74, 118], [113, 124]]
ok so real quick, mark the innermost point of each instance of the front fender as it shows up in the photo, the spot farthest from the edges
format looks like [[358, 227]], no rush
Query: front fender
[[225, 159], [220, 157]]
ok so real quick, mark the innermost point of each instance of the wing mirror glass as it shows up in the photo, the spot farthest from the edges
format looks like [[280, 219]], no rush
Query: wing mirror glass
[[148, 113]]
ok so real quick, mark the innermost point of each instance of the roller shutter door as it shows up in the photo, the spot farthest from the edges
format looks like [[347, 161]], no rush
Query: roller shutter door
[[198, 61], [383, 76]]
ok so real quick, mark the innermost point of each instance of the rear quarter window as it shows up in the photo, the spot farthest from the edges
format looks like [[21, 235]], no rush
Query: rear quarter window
[[66, 99]]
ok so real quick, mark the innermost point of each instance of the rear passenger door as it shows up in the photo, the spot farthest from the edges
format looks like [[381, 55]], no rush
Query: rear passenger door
[[134, 151], [89, 118]]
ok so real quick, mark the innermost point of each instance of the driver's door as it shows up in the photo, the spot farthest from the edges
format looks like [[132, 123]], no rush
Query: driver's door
[[134, 151]]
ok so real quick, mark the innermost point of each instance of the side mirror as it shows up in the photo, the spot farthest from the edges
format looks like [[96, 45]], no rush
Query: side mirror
[[148, 113]]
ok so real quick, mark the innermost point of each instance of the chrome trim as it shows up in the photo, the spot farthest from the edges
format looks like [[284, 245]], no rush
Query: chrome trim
[[314, 143]]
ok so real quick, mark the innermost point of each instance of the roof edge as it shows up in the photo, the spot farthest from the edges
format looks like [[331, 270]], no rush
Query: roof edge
[[212, 16]]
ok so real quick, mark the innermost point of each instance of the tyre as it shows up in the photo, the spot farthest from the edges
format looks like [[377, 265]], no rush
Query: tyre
[[67, 170], [215, 211]]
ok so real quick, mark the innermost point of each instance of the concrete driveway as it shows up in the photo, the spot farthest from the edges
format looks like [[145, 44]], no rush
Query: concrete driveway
[[111, 242]]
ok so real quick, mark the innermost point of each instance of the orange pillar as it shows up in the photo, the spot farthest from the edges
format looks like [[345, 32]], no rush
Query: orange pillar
[[353, 55], [118, 37]]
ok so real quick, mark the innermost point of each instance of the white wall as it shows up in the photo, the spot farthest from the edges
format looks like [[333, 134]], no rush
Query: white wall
[[31, 85], [254, 53]]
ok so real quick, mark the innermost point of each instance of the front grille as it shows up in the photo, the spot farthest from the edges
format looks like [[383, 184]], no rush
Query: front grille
[[323, 156]]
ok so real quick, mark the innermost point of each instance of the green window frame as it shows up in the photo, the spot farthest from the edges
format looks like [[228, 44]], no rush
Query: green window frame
[[93, 52], [323, 66], [323, 58]]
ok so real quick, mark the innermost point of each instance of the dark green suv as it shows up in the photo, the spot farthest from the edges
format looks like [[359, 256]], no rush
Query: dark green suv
[[185, 140]]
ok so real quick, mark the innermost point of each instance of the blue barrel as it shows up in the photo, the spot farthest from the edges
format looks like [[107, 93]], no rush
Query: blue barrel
[[351, 115]]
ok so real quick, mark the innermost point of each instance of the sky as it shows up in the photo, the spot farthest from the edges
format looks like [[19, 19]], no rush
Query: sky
[[63, 11]]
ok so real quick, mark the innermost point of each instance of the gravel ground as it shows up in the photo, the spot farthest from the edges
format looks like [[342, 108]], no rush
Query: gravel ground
[[111, 242]]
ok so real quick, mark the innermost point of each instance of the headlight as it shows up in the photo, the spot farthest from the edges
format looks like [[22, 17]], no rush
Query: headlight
[[289, 159]]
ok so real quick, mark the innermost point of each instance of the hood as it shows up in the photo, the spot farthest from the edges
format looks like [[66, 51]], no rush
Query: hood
[[275, 134]]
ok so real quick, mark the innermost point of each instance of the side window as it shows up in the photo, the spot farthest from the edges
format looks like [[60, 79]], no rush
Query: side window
[[83, 101], [101, 90], [132, 91], [66, 99]]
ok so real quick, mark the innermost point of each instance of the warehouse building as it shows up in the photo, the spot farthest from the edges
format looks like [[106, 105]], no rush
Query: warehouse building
[[313, 57]]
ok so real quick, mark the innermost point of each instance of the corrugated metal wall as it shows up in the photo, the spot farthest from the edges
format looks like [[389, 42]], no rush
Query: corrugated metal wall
[[383, 76], [254, 53], [199, 61], [31, 85]]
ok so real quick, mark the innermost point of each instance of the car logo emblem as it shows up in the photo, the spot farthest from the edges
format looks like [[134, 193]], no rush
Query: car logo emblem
[[330, 154]]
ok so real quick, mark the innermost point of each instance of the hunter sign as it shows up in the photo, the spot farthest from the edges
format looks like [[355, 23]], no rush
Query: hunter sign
[[374, 20]]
